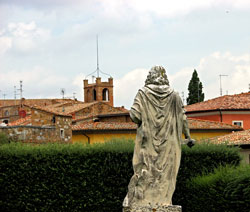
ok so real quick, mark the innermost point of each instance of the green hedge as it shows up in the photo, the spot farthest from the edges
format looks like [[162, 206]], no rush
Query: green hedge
[[4, 139], [87, 177], [228, 189], [202, 159]]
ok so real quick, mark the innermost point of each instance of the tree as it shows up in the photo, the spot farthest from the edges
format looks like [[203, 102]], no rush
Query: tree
[[195, 93]]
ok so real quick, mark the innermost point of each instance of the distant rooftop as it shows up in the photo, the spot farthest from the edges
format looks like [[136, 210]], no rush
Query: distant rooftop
[[227, 102], [235, 138]]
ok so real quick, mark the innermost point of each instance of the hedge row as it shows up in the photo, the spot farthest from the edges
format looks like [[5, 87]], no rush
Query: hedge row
[[228, 189], [87, 177]]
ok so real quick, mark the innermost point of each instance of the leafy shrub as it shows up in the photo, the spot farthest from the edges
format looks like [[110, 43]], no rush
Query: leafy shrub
[[57, 177], [4, 139], [225, 190], [202, 159]]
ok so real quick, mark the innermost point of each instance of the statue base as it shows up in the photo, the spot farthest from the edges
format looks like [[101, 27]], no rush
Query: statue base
[[161, 208]]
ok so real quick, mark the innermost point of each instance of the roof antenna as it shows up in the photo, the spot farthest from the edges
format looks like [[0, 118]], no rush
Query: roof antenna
[[97, 62], [97, 56]]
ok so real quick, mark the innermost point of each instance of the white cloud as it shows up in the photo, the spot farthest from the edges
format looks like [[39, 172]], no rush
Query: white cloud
[[5, 44], [38, 82], [23, 37], [209, 68], [167, 8], [126, 87]]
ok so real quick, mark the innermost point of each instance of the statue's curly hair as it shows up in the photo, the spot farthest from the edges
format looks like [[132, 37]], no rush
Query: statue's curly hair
[[157, 76]]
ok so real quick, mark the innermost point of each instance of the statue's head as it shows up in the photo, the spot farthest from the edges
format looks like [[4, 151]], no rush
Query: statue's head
[[157, 76]]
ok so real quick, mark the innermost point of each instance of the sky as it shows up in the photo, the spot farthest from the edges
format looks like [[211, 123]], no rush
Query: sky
[[51, 44]]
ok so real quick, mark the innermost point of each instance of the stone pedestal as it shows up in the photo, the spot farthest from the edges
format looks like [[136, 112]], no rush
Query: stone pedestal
[[169, 208]]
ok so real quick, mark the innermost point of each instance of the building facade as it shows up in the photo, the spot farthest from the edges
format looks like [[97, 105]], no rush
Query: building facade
[[230, 109]]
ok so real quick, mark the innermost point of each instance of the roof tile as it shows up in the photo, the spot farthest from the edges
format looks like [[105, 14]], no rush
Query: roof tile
[[227, 102]]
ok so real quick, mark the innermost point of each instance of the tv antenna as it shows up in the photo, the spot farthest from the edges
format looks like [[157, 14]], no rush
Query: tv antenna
[[62, 92], [98, 71], [221, 75], [21, 89]]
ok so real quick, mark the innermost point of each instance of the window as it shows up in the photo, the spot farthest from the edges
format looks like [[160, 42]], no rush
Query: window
[[94, 95], [53, 120], [62, 133], [6, 113], [88, 96], [238, 123], [105, 94]]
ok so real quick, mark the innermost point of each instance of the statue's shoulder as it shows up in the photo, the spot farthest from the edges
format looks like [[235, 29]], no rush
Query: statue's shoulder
[[176, 95]]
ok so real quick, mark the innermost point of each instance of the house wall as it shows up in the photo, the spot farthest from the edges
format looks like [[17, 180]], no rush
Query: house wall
[[31, 134], [204, 134], [227, 117], [12, 112], [62, 123], [102, 136]]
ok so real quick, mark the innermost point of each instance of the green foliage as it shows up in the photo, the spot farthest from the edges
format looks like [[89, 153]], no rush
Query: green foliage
[[4, 139], [225, 190], [195, 93], [202, 159], [56, 177]]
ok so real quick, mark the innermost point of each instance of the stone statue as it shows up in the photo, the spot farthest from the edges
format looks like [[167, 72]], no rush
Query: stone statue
[[158, 111]]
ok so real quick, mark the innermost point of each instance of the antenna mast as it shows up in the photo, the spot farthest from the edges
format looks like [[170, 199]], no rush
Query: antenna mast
[[97, 56], [221, 75], [21, 89]]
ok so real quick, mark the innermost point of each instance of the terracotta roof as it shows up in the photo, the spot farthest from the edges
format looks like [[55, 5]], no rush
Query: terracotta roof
[[234, 138], [21, 121], [68, 109], [105, 126], [193, 124], [33, 102], [114, 113], [227, 102], [205, 124], [50, 111]]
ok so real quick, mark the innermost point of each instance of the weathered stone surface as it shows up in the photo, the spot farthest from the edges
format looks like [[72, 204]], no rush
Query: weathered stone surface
[[169, 208], [158, 111]]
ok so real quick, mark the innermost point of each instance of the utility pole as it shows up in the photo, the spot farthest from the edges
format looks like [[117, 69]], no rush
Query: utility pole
[[221, 75], [4, 95]]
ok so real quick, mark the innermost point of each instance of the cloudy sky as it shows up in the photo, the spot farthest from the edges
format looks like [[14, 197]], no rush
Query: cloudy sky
[[51, 44]]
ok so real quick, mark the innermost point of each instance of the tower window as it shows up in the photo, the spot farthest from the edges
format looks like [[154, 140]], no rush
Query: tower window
[[94, 95], [88, 96], [105, 94]]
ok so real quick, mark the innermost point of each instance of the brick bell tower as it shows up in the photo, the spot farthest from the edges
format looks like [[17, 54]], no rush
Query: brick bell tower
[[99, 91]]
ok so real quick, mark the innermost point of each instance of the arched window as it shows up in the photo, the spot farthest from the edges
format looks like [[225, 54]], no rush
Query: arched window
[[6, 113], [88, 96], [94, 95], [105, 94]]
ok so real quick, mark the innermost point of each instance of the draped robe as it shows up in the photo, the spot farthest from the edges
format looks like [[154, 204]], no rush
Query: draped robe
[[158, 111]]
